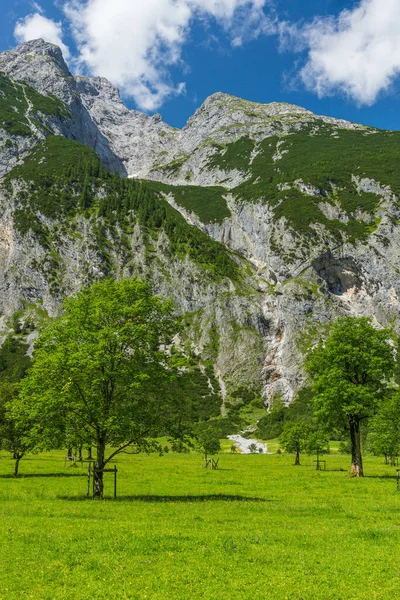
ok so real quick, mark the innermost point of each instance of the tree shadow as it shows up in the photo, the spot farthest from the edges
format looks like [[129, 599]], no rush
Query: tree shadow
[[177, 499], [394, 476], [340, 470], [32, 475]]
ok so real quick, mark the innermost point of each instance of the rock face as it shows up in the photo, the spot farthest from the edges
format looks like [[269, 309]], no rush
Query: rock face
[[138, 145], [298, 200]]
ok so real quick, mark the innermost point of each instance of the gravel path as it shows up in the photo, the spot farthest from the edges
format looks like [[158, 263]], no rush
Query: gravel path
[[244, 444]]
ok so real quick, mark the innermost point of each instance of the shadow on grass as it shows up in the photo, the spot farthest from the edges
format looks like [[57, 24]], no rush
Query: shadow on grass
[[340, 470], [30, 475], [161, 499], [380, 476]]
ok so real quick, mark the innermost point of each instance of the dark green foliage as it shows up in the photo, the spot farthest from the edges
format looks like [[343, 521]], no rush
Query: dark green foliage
[[57, 173], [317, 443], [208, 441], [63, 179], [246, 395], [207, 203], [179, 447], [294, 438], [244, 401], [14, 99], [201, 391], [234, 156], [271, 426], [25, 221], [352, 372], [384, 430], [12, 107], [14, 364], [47, 105], [14, 361], [299, 411]]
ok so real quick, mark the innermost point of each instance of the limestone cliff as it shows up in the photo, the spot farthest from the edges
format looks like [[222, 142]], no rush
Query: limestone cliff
[[305, 207]]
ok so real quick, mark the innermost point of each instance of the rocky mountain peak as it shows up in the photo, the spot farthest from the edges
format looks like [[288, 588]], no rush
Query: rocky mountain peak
[[34, 61], [298, 203]]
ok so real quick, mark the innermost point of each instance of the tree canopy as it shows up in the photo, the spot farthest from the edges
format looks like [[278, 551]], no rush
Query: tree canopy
[[100, 369], [294, 438], [351, 374], [384, 429]]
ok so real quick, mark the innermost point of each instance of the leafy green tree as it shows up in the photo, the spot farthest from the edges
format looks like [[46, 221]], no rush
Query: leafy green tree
[[294, 438], [351, 375], [384, 429], [253, 448], [15, 435], [317, 443], [100, 371], [208, 441]]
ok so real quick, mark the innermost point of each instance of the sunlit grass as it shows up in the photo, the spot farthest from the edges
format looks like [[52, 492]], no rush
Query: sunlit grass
[[257, 528]]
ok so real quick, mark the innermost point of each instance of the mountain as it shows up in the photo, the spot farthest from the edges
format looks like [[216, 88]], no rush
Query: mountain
[[263, 222]]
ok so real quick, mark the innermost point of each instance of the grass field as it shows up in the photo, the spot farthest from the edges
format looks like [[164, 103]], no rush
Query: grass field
[[258, 528]]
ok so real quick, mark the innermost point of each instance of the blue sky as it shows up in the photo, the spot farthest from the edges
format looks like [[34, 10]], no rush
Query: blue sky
[[334, 57]]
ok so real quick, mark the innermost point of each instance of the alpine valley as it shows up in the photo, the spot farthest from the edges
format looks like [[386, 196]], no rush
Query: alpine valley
[[263, 222]]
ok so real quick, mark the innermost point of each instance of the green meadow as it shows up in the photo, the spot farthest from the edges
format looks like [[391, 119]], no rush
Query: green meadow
[[258, 528]]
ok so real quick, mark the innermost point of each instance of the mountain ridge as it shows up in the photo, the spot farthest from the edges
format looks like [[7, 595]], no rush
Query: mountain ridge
[[306, 207], [95, 102]]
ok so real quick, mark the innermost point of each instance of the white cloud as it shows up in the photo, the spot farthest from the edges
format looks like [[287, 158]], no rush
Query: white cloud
[[37, 26], [134, 43], [357, 53]]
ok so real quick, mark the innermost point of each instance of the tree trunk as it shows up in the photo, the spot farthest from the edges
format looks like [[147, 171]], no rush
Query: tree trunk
[[297, 459], [356, 458], [89, 453], [17, 457], [98, 470], [70, 452], [80, 453]]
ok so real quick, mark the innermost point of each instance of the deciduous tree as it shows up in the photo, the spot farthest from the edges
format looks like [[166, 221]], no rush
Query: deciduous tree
[[294, 438], [101, 371], [15, 434], [384, 429], [351, 375]]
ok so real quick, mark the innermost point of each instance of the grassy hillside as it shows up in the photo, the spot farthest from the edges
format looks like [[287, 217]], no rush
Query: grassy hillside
[[257, 528]]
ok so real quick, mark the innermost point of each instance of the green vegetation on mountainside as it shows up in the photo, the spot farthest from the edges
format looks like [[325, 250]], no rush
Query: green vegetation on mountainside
[[202, 392], [327, 158], [64, 179], [14, 361], [14, 104], [12, 108], [208, 203], [233, 156]]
